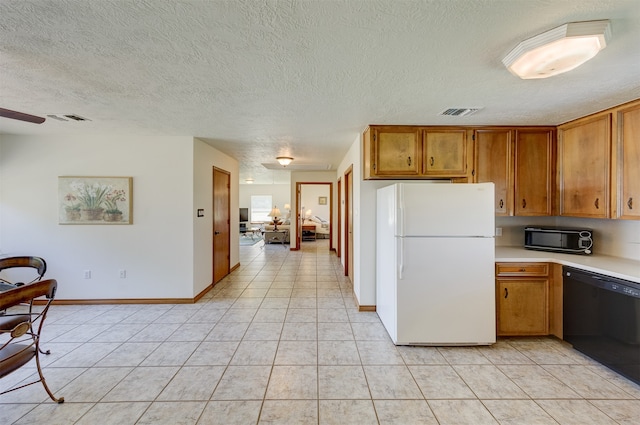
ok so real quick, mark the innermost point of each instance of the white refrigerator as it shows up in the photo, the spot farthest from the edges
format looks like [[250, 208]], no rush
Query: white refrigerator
[[435, 263]]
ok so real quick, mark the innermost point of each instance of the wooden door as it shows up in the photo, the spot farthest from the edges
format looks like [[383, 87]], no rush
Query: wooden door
[[534, 172], [494, 163], [522, 307], [299, 217], [221, 224], [397, 151], [348, 213], [584, 149], [339, 225], [445, 153], [629, 162]]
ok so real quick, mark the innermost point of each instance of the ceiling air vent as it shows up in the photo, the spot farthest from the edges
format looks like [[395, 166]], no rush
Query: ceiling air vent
[[459, 112], [76, 117], [68, 117]]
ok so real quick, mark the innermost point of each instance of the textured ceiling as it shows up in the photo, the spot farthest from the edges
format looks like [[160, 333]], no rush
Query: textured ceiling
[[258, 79]]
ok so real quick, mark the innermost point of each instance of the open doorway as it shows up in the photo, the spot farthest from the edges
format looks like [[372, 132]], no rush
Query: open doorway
[[314, 206]]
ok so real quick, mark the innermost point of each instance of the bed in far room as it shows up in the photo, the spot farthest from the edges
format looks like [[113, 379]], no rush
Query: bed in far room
[[322, 226]]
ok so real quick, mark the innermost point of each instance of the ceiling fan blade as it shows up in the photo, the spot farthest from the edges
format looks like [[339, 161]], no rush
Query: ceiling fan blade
[[15, 115]]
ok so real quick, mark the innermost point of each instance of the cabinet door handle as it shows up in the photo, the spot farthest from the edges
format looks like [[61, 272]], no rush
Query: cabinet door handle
[[597, 203], [524, 203], [431, 161], [501, 204], [630, 203], [409, 161], [506, 293]]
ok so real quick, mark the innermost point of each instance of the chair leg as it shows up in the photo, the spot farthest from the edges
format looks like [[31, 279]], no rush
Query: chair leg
[[58, 400], [30, 314]]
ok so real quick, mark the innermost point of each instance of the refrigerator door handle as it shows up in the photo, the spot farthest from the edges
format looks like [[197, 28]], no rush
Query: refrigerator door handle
[[400, 258], [400, 210]]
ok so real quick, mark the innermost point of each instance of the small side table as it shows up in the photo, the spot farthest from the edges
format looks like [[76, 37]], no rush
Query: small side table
[[275, 236], [308, 232]]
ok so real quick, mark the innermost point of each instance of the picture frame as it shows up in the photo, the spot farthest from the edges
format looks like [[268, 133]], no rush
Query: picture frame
[[322, 200], [95, 200]]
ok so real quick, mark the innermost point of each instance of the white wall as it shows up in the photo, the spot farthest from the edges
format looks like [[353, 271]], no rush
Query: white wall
[[309, 198], [364, 251], [205, 158], [156, 250], [281, 195]]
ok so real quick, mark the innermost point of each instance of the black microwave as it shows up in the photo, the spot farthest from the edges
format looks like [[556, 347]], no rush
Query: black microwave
[[569, 241]]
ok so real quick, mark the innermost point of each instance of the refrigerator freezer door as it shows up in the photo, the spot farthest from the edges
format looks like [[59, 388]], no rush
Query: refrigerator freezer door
[[386, 273], [446, 291], [445, 209]]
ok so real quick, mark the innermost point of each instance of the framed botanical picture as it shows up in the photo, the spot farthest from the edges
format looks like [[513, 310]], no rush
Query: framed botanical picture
[[95, 200], [322, 200]]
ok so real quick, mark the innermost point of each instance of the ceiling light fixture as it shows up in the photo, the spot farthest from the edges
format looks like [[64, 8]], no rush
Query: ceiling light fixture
[[284, 160], [558, 50], [249, 181]]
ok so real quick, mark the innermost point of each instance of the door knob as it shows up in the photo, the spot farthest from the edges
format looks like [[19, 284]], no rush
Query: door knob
[[216, 233]]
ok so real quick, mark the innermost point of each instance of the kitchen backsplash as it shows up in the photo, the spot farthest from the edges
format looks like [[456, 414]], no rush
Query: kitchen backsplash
[[619, 238]]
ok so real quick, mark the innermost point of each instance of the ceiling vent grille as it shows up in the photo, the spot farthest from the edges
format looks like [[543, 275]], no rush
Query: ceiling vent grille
[[68, 117], [459, 112]]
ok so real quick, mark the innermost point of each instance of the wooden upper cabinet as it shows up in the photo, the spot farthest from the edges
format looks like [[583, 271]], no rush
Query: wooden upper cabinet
[[628, 144], [392, 151], [494, 163], [534, 171], [584, 148], [445, 152], [405, 152]]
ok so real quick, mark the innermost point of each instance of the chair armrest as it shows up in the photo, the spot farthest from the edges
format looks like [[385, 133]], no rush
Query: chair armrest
[[26, 293]]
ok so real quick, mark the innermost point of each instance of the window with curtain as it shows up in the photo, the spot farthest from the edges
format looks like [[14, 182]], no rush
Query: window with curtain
[[260, 207]]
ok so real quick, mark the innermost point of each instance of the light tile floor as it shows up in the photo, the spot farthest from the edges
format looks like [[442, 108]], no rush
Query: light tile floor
[[280, 341]]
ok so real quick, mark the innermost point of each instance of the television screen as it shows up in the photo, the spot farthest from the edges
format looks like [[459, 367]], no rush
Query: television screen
[[244, 214]]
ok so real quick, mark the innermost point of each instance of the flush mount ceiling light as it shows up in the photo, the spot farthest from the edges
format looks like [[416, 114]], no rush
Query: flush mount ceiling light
[[284, 160], [249, 180], [558, 50]]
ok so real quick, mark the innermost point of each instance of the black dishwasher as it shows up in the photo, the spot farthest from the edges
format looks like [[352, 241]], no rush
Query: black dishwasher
[[601, 318]]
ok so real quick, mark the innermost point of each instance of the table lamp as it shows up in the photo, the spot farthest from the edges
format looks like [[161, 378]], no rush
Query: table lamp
[[275, 213]]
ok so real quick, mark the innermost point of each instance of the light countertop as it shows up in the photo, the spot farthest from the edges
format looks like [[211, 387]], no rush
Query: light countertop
[[622, 268]]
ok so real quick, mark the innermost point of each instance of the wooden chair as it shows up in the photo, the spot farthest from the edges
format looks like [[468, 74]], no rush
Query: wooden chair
[[36, 263], [20, 329]]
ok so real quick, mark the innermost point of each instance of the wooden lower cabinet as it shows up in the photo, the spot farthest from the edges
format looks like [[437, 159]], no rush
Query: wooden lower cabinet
[[522, 299]]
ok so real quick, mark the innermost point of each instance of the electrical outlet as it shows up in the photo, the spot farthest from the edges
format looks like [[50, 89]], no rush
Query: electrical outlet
[[498, 231], [123, 274], [87, 274]]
